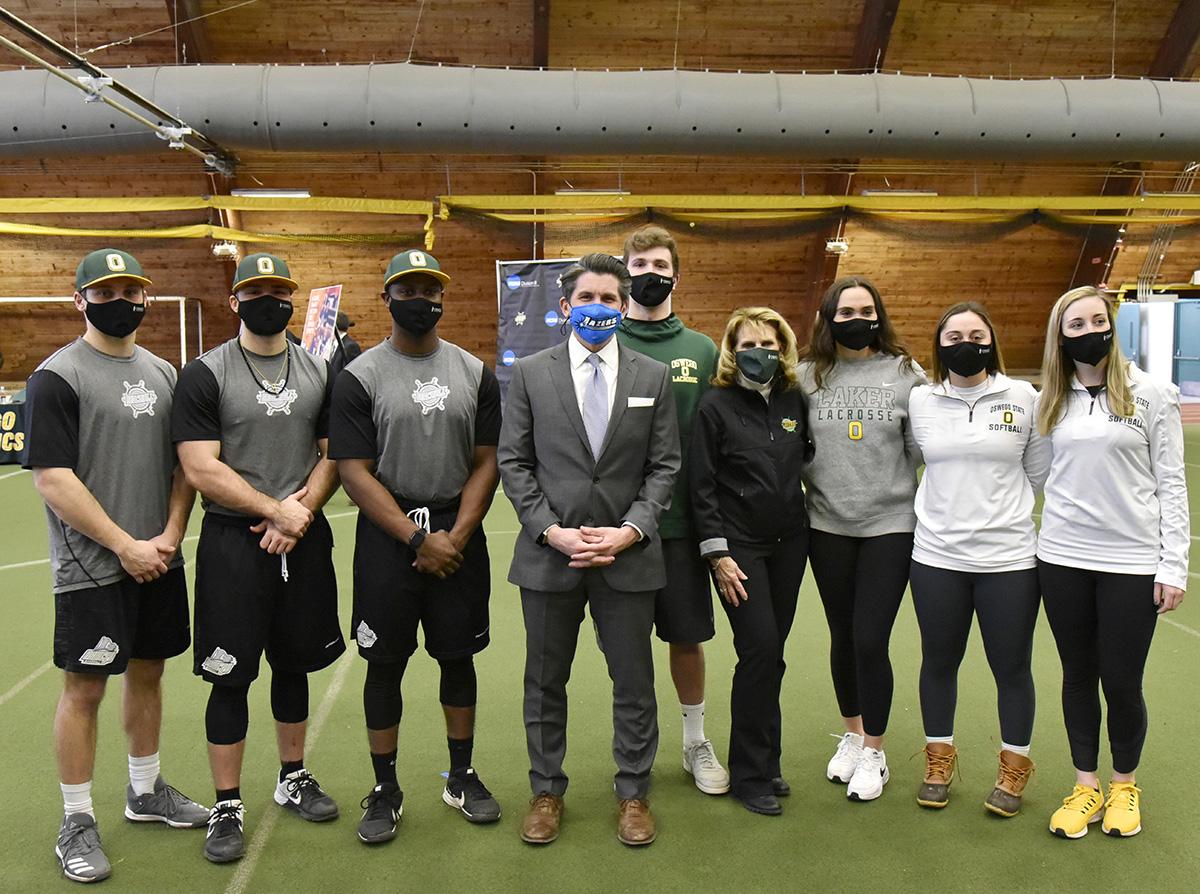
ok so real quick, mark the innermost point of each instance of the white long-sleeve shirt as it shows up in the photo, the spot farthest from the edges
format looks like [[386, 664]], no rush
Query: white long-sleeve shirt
[[1116, 499], [983, 461]]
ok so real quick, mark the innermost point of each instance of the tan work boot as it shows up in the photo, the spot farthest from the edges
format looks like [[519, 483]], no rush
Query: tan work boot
[[543, 819], [1014, 773], [941, 759]]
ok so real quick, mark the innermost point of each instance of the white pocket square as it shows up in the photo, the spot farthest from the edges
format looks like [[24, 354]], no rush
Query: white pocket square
[[641, 402]]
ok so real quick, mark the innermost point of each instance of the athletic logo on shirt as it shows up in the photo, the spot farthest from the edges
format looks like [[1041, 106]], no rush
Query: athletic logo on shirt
[[861, 403], [139, 398], [364, 635], [430, 395], [104, 652], [855, 431], [219, 663], [683, 369], [278, 403], [789, 425]]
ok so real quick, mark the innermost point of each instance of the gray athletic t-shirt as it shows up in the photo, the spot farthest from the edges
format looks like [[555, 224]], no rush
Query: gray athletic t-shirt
[[269, 439], [108, 419], [419, 418]]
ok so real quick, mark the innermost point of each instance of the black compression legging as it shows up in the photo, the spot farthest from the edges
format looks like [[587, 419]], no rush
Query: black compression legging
[[383, 703], [227, 716], [861, 581], [1103, 624], [1007, 606]]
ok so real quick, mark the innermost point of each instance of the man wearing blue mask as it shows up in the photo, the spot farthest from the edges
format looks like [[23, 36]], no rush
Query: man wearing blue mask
[[589, 452]]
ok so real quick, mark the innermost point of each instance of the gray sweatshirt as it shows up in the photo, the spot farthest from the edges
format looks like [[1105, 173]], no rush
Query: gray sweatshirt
[[862, 481]]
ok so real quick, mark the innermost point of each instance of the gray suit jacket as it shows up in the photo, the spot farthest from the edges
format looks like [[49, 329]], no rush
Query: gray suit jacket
[[551, 477]]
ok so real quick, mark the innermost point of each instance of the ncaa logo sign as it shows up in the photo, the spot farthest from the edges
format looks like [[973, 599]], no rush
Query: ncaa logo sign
[[513, 282], [508, 358], [551, 318]]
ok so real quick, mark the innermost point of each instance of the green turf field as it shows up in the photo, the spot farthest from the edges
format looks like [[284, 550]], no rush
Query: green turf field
[[822, 842]]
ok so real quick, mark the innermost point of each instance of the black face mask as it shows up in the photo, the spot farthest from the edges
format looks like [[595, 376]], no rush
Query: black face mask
[[965, 358], [651, 289], [117, 318], [265, 315], [758, 364], [854, 334], [1090, 348], [415, 315]]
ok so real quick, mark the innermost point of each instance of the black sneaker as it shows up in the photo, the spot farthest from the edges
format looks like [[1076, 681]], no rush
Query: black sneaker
[[466, 792], [78, 849], [381, 812], [299, 792], [226, 839]]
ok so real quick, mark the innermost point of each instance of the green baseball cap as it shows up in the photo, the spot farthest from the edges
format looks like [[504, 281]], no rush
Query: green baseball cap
[[414, 260], [262, 266], [108, 263]]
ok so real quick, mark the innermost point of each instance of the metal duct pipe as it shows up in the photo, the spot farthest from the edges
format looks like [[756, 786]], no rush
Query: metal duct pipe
[[408, 108]]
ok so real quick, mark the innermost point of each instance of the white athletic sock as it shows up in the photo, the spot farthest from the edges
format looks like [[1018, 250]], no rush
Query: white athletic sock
[[944, 740], [1022, 750], [143, 772], [77, 798], [693, 724]]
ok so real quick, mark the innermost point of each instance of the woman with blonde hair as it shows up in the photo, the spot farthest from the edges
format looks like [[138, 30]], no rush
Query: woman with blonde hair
[[1113, 548], [860, 488], [975, 546], [749, 441]]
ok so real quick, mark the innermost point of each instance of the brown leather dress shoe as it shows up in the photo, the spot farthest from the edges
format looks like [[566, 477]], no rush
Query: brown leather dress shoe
[[635, 825], [542, 821]]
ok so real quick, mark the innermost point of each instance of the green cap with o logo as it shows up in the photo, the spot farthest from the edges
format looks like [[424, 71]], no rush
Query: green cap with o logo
[[108, 263], [262, 266], [414, 260]]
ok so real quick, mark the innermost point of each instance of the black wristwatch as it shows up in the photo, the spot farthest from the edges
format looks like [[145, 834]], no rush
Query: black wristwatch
[[415, 541]]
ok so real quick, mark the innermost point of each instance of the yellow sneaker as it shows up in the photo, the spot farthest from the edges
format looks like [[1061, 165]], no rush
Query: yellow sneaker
[[1079, 809], [1122, 810]]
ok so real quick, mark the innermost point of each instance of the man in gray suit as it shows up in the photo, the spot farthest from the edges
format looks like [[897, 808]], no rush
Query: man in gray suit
[[589, 451]]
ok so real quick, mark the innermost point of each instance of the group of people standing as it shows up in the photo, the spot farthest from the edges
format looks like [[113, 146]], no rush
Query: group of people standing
[[646, 464]]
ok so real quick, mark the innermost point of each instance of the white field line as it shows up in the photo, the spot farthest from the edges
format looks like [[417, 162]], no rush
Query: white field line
[[259, 842], [45, 667], [11, 474], [21, 685], [1184, 627]]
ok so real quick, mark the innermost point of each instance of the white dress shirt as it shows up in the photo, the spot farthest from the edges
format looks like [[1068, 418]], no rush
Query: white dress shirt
[[581, 376], [581, 370]]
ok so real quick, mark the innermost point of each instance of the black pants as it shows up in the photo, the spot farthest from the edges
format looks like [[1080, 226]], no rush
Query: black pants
[[861, 581], [1103, 623], [760, 629], [1007, 606]]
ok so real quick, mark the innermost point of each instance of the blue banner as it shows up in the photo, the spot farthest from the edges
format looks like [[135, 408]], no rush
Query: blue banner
[[527, 294]]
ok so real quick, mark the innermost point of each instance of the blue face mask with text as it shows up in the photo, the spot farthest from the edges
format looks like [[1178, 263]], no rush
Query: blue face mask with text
[[595, 323]]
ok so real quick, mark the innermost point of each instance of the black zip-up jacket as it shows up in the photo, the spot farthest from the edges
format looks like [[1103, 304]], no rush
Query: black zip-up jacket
[[745, 460]]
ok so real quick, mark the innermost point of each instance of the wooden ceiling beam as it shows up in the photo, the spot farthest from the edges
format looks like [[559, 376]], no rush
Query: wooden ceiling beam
[[194, 44], [870, 46], [874, 32], [1178, 44], [1171, 61]]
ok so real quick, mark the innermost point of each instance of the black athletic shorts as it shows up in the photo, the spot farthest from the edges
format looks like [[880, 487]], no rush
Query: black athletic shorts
[[683, 609], [244, 606], [391, 597], [97, 630]]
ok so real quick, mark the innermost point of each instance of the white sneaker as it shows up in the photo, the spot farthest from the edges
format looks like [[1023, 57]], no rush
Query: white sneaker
[[869, 777], [700, 760], [845, 759]]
